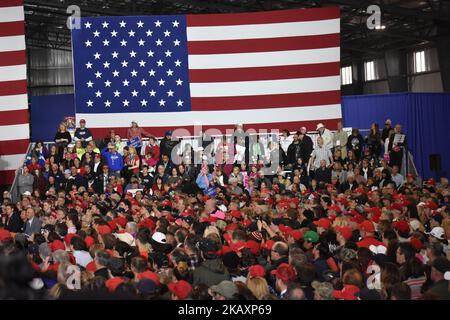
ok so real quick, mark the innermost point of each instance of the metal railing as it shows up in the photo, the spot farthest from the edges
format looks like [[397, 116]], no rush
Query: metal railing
[[14, 191], [408, 165]]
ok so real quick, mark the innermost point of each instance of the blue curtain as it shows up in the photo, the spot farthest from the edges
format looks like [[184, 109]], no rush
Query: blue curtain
[[424, 117], [47, 112]]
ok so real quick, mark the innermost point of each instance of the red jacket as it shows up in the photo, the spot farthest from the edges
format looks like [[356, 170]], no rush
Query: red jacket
[[155, 149]]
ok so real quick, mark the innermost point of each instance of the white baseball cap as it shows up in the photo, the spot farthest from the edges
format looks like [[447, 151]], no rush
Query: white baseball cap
[[159, 237], [437, 232], [125, 237], [320, 125]]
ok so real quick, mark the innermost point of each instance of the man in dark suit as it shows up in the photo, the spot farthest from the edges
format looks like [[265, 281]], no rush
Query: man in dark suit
[[13, 222], [97, 167], [33, 224], [102, 180]]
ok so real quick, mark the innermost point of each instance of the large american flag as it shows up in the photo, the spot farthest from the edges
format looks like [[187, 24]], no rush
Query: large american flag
[[270, 70], [14, 127]]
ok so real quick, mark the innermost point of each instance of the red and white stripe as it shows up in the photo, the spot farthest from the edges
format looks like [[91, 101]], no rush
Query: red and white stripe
[[14, 122], [267, 70]]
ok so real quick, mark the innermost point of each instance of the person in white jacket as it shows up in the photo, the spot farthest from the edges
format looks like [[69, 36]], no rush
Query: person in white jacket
[[326, 135]]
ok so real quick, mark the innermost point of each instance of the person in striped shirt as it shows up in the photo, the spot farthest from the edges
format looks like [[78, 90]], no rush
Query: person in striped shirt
[[320, 153]]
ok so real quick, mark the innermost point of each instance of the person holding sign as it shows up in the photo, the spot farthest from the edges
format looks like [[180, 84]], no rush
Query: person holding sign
[[135, 134]]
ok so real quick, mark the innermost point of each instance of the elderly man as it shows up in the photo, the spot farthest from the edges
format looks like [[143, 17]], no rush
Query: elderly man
[[340, 138], [320, 152], [33, 224], [326, 135]]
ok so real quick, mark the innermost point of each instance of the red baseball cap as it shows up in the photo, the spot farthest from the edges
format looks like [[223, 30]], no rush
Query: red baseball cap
[[367, 226], [284, 272], [401, 226], [296, 234], [335, 208], [253, 246], [396, 206], [89, 241], [359, 190], [69, 237], [236, 214], [147, 223], [343, 201], [347, 293], [431, 205], [121, 221], [56, 245], [285, 229], [416, 243], [5, 235], [150, 275], [103, 229], [346, 232], [181, 289], [268, 245], [231, 227], [257, 270], [374, 210], [323, 223], [113, 283]]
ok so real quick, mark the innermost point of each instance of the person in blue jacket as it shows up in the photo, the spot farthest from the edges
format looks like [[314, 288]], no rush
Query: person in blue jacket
[[203, 179], [114, 159]]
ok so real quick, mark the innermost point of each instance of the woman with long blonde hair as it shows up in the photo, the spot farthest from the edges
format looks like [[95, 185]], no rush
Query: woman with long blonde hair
[[258, 286]]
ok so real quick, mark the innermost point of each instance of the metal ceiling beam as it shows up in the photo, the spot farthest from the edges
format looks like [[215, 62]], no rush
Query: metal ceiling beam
[[393, 9]]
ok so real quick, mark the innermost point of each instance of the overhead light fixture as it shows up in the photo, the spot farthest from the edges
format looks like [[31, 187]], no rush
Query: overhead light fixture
[[382, 27]]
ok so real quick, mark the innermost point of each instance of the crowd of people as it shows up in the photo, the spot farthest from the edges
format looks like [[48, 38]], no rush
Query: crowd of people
[[334, 219]]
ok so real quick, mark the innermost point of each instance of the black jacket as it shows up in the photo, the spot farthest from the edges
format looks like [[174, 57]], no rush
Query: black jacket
[[294, 152], [307, 148], [14, 223], [166, 146], [211, 272], [323, 175]]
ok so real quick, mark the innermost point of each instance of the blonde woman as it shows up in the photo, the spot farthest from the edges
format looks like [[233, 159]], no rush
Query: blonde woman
[[258, 286], [79, 150], [62, 138], [132, 163]]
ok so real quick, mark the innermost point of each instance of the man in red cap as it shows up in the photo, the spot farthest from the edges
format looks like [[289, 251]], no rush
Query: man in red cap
[[83, 134], [323, 224], [343, 234], [180, 290], [284, 275], [102, 180], [367, 231]]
